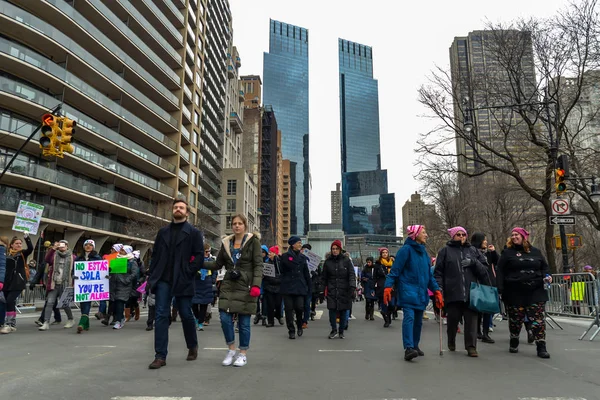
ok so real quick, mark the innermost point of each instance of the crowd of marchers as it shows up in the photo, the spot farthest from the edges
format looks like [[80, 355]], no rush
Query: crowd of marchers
[[184, 279]]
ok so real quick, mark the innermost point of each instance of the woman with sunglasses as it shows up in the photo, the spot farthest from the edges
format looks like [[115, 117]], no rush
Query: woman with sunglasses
[[457, 265]]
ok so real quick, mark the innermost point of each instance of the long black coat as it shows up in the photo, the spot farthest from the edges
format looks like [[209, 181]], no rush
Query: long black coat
[[272, 284], [521, 276], [189, 257], [379, 275], [340, 281], [452, 278], [15, 278], [295, 277]]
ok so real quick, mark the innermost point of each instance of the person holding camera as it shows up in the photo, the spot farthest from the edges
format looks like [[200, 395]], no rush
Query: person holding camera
[[241, 256]]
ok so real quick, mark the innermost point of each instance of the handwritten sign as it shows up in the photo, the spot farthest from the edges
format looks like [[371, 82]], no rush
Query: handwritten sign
[[313, 260], [66, 298], [28, 217], [269, 270], [92, 282], [221, 274]]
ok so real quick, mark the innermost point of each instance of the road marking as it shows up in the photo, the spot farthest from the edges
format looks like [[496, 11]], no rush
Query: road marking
[[90, 347], [586, 350], [552, 398], [6, 373], [216, 348], [319, 314], [150, 398], [340, 351], [100, 355]]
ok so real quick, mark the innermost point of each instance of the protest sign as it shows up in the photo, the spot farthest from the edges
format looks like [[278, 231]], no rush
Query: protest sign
[[118, 265], [28, 217], [66, 298], [92, 282], [313, 260], [269, 270], [221, 274]]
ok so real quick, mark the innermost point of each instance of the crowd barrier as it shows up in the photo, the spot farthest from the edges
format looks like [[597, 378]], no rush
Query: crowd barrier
[[575, 295]]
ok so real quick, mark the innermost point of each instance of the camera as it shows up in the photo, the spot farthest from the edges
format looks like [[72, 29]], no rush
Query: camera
[[235, 274]]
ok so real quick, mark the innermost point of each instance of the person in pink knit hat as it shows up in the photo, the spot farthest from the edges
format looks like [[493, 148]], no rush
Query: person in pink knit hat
[[457, 265]]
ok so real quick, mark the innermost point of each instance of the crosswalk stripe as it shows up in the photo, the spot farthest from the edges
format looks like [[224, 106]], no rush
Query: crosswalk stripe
[[319, 315], [149, 398]]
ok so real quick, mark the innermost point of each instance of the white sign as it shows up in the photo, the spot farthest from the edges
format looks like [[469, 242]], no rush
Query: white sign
[[269, 270], [66, 298], [561, 207], [562, 220], [92, 281], [221, 274], [313, 260], [28, 217]]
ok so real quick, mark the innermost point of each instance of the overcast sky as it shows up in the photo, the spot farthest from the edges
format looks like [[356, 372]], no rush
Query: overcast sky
[[408, 40]]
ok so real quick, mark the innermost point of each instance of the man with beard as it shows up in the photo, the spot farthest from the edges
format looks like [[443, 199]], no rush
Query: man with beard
[[177, 257]]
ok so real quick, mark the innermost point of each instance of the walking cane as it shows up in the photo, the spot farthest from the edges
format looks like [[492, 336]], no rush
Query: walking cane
[[441, 349]]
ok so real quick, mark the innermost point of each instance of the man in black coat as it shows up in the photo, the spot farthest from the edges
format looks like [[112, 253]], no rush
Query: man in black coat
[[176, 257]]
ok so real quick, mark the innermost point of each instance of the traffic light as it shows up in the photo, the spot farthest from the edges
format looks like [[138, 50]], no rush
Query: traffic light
[[561, 185], [50, 133], [68, 129]]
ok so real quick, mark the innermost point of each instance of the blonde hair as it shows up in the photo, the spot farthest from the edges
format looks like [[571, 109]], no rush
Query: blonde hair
[[4, 240], [526, 244]]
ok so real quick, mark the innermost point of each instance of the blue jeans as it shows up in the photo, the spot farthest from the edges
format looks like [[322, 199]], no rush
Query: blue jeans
[[343, 319], [102, 307], [411, 327], [306, 308], [229, 331], [163, 298], [118, 311], [85, 308]]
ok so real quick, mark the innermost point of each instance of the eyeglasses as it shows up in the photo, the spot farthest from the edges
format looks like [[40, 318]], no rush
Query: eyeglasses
[[461, 235]]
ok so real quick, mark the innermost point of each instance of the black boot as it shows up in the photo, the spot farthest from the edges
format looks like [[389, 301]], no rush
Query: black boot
[[257, 318], [530, 338], [372, 315], [387, 320], [487, 339], [410, 353], [541, 349], [514, 345]]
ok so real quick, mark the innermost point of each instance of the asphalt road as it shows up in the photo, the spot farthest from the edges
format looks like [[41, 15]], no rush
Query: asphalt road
[[107, 364]]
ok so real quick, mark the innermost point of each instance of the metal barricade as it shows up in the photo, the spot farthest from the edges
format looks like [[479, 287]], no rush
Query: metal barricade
[[28, 298], [575, 295]]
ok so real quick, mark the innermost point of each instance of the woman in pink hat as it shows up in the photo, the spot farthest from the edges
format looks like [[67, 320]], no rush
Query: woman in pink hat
[[522, 271]]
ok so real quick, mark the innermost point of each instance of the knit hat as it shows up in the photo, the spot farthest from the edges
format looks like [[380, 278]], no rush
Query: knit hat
[[136, 254], [455, 230], [587, 268], [275, 250], [307, 246], [413, 231], [90, 241], [293, 240], [337, 243], [522, 232], [128, 249], [117, 247], [381, 249], [264, 248]]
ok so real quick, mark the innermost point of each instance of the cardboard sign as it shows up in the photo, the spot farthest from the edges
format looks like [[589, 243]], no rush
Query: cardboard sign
[[66, 298], [118, 265], [221, 274], [313, 260], [92, 281], [269, 270], [28, 217]]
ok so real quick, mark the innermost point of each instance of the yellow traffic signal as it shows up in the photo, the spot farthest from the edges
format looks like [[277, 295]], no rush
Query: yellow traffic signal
[[50, 133], [561, 185], [68, 129]]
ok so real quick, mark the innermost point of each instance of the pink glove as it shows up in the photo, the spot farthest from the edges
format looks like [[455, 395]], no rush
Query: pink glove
[[1, 285], [255, 291]]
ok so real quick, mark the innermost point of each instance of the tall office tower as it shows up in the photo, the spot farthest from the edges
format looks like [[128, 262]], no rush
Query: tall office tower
[[287, 194], [279, 238], [132, 88], [285, 88], [367, 207], [481, 80], [336, 205]]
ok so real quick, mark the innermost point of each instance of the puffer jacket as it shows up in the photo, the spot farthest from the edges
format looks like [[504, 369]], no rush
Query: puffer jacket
[[295, 277], [521, 276], [234, 295], [340, 281], [273, 284], [203, 285], [453, 279], [120, 284], [368, 282], [15, 275]]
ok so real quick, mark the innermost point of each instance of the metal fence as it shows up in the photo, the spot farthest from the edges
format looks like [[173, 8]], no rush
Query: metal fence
[[28, 299], [575, 295]]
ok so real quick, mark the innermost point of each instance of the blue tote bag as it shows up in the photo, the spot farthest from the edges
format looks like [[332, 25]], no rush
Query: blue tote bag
[[484, 299]]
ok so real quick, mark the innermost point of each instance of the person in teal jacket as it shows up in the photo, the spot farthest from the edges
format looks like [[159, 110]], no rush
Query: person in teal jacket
[[411, 275]]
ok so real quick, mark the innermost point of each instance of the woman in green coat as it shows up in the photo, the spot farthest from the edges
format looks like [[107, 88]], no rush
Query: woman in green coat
[[241, 257]]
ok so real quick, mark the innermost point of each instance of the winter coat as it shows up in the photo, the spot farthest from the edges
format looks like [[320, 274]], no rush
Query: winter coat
[[120, 284], [379, 274], [317, 281], [51, 260], [234, 295], [411, 275], [492, 258], [189, 256], [15, 275], [295, 276], [455, 280], [93, 256], [521, 276], [203, 285], [340, 281], [2, 263], [273, 284], [368, 282]]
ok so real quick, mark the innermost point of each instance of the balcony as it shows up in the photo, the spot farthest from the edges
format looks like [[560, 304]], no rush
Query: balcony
[[207, 212], [209, 169], [154, 12], [208, 199], [236, 122], [238, 62], [185, 155], [189, 75], [190, 54], [241, 96], [183, 176], [185, 134], [230, 72], [187, 114], [175, 13], [214, 189]]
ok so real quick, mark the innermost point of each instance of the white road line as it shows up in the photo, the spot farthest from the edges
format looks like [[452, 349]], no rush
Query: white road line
[[91, 347], [552, 398], [216, 348], [340, 351], [149, 398], [586, 350], [319, 314]]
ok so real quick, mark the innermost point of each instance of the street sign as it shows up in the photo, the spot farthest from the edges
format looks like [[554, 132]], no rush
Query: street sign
[[561, 207], [562, 220]]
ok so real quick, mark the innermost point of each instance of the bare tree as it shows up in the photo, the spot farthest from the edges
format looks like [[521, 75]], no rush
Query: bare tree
[[521, 100]]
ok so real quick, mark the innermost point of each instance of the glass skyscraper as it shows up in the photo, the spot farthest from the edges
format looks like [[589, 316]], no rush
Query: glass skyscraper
[[285, 88], [367, 207]]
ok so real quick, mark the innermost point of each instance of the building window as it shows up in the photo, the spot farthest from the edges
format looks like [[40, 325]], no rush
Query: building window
[[196, 118], [194, 176], [197, 99], [192, 198], [231, 205], [196, 136], [229, 220], [194, 158], [231, 187]]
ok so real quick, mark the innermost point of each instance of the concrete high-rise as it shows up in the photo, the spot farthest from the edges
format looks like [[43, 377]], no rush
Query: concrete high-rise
[[285, 88], [336, 205], [136, 90], [367, 207], [416, 211]]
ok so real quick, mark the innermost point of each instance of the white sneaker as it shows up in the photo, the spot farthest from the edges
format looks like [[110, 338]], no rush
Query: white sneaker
[[491, 329], [45, 326], [69, 324], [240, 361], [5, 329], [38, 322], [13, 328], [229, 358], [445, 321], [118, 325]]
